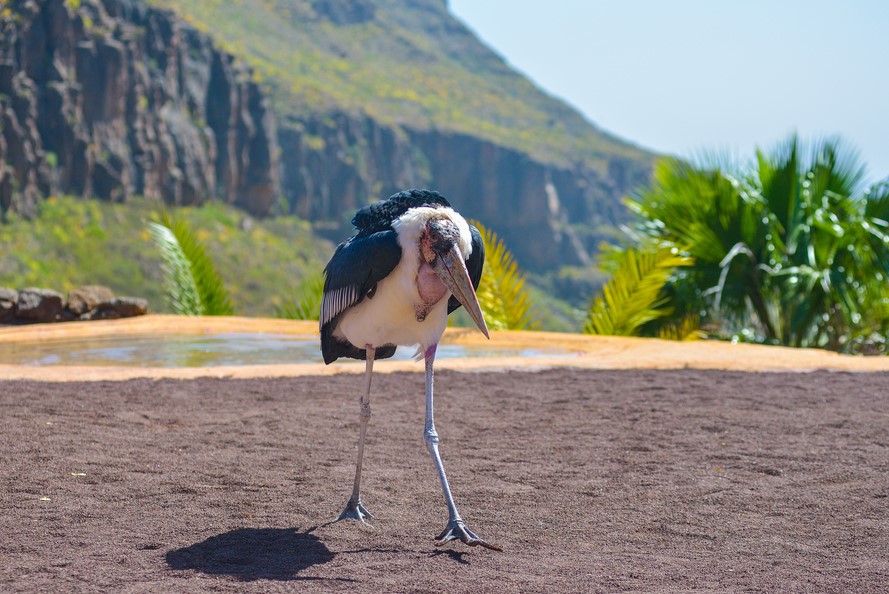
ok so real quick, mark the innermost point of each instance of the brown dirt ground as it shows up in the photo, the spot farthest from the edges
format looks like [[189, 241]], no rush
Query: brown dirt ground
[[623, 465], [590, 480]]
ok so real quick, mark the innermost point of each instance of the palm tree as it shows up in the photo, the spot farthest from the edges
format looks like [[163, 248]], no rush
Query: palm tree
[[786, 249], [193, 285], [636, 296], [502, 294]]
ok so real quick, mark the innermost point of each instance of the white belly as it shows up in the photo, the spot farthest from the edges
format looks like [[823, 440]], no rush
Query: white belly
[[390, 317]]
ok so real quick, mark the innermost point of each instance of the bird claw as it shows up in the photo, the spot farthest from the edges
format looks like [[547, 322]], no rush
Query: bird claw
[[355, 510], [457, 530]]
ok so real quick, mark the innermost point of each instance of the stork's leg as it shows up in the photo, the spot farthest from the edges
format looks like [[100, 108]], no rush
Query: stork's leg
[[456, 528], [355, 509]]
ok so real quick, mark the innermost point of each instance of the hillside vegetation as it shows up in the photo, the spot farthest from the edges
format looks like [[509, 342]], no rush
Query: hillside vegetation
[[401, 62], [263, 263], [74, 242], [344, 102]]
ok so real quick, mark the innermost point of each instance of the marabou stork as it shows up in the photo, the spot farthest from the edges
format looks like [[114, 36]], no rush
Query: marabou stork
[[412, 261]]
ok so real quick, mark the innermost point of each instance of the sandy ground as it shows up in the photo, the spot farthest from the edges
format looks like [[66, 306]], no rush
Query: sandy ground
[[591, 479]]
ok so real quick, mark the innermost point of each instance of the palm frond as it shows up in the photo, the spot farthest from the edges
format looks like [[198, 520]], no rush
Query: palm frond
[[182, 291], [633, 297], [307, 303], [502, 295], [778, 177], [686, 329], [194, 287], [877, 201], [786, 249], [838, 165]]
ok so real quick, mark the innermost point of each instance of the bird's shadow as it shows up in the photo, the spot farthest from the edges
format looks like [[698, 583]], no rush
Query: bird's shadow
[[454, 555], [254, 553]]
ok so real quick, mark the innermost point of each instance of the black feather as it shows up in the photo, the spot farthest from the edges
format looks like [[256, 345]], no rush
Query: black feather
[[332, 348], [379, 216], [358, 263], [366, 258]]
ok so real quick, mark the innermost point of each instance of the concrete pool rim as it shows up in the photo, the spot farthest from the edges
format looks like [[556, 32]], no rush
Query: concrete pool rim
[[590, 352]]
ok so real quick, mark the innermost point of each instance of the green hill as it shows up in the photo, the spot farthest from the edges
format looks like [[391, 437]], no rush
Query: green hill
[[72, 242], [402, 62], [311, 108]]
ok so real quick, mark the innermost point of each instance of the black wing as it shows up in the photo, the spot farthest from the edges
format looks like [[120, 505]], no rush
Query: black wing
[[357, 265], [474, 265]]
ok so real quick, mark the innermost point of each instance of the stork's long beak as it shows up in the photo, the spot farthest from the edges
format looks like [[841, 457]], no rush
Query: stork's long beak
[[451, 269]]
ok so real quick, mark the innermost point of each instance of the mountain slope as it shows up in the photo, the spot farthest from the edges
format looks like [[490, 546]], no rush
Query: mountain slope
[[404, 62], [376, 95], [306, 107]]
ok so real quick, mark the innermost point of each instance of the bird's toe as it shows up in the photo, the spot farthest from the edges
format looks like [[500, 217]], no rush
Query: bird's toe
[[457, 530], [355, 510]]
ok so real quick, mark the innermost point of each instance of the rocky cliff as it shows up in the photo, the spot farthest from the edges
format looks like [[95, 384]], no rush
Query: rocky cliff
[[111, 98], [333, 165]]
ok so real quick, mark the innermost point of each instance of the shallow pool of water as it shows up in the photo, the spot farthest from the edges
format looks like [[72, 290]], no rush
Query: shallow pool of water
[[206, 350]]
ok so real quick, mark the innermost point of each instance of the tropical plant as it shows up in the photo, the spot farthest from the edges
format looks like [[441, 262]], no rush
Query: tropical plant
[[502, 295], [685, 329], [307, 303], [635, 295], [192, 283], [786, 249], [58, 247]]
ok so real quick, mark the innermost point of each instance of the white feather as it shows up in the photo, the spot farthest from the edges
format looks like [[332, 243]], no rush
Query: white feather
[[336, 301], [390, 316], [410, 225]]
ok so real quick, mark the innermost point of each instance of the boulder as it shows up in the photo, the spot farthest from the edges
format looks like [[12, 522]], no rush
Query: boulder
[[118, 307], [39, 305], [84, 299], [90, 302], [8, 301]]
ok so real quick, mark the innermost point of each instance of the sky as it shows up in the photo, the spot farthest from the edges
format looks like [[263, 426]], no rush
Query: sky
[[685, 76]]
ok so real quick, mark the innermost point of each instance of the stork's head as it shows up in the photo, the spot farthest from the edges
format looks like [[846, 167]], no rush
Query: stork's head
[[445, 243], [440, 236]]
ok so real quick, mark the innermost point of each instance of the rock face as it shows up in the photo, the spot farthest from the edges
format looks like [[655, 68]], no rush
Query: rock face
[[530, 204], [39, 306], [117, 98]]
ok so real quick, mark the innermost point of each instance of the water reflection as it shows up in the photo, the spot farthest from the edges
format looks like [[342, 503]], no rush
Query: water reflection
[[209, 350]]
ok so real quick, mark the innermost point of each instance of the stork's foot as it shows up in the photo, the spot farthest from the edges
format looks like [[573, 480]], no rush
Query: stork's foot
[[457, 530], [355, 510]]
